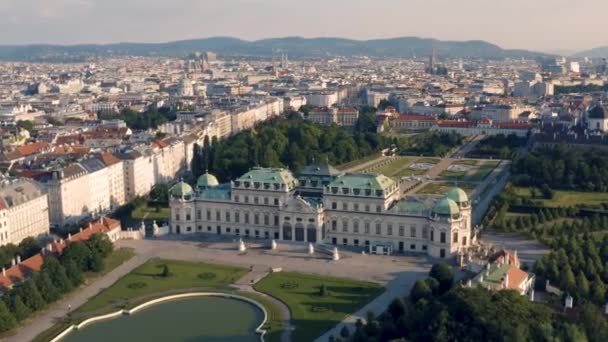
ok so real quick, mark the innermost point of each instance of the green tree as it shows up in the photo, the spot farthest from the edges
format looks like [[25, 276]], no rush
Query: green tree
[[73, 272], [95, 262], [7, 320], [419, 291], [101, 244], [582, 285], [31, 295], [29, 247], [568, 282], [366, 123], [26, 124], [79, 253], [598, 292], [58, 274], [165, 272], [20, 310], [45, 286], [444, 275]]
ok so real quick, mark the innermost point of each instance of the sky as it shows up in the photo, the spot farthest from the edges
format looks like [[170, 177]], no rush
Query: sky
[[541, 25]]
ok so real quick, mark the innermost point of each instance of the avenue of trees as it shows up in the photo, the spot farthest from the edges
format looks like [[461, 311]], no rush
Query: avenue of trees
[[288, 142], [559, 90], [26, 248], [498, 146], [438, 314], [428, 143], [151, 118], [561, 168], [57, 277]]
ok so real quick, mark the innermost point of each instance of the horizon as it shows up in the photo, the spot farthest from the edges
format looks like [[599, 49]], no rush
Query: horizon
[[75, 22]]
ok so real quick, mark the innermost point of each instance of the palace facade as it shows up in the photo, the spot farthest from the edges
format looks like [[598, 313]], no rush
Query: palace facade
[[324, 205]]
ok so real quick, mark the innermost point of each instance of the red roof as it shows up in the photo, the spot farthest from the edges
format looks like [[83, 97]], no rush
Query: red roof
[[415, 117], [33, 148], [21, 271]]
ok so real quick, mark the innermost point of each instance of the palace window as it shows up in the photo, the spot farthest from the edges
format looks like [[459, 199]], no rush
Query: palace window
[[378, 208], [227, 216], [334, 205], [356, 207], [455, 237], [246, 218], [367, 208], [177, 217], [345, 226], [276, 201], [442, 237], [208, 215], [237, 217], [256, 219], [334, 225], [379, 229], [345, 206], [413, 231], [366, 227], [425, 232], [199, 215]]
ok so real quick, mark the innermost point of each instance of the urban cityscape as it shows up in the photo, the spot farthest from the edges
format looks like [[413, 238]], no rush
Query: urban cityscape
[[300, 189]]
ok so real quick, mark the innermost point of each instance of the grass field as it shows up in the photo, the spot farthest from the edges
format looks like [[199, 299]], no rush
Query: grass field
[[394, 168], [483, 171], [358, 162], [466, 162], [441, 188], [115, 259], [568, 198], [428, 161], [147, 213], [452, 174], [311, 313], [146, 280]]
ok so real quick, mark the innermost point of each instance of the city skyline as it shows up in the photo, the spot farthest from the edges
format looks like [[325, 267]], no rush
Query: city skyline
[[514, 24]]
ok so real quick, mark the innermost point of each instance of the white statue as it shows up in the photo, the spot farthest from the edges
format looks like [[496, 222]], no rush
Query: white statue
[[336, 255], [242, 247], [311, 249], [273, 245]]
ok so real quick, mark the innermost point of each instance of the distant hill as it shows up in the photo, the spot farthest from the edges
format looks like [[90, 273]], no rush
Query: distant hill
[[598, 52], [294, 46]]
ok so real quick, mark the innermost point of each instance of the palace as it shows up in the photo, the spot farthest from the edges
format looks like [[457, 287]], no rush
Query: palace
[[324, 205]]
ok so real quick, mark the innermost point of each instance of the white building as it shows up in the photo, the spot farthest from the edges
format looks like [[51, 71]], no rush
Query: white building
[[324, 206], [24, 211], [138, 173]]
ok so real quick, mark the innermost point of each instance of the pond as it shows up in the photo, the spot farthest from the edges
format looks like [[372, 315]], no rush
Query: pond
[[192, 319]]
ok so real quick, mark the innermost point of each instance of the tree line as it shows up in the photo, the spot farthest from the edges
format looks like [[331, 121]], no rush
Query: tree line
[[57, 277], [578, 89], [562, 168], [436, 314], [153, 117], [498, 146], [428, 143], [290, 142]]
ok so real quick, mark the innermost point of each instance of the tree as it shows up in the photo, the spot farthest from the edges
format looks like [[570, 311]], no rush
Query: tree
[[26, 125], [31, 296], [598, 291], [582, 284], [165, 273], [344, 332], [322, 290], [58, 274], [384, 103], [20, 310], [420, 290], [73, 272], [444, 275], [7, 320], [396, 309], [45, 286], [29, 247], [101, 244], [95, 262], [79, 253], [160, 193], [568, 282], [366, 123]]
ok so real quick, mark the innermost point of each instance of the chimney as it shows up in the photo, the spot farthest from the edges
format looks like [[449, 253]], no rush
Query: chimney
[[507, 280], [3, 272], [13, 262], [481, 279], [49, 247], [69, 236], [18, 259], [81, 229]]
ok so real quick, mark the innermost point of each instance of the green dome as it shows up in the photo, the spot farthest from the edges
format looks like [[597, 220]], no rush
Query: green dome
[[458, 195], [446, 206], [181, 189], [207, 180]]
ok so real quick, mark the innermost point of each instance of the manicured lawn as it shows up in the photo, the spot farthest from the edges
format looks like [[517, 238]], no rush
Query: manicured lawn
[[358, 162], [410, 172], [568, 198], [393, 168], [147, 213], [483, 171], [441, 188], [452, 174], [428, 161], [466, 162], [116, 258], [311, 313], [146, 280]]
